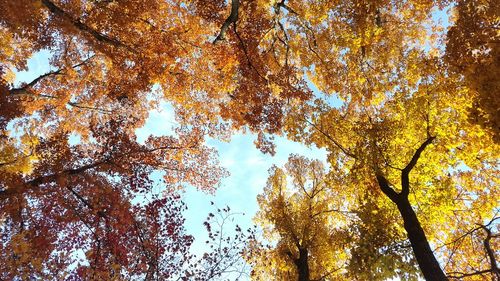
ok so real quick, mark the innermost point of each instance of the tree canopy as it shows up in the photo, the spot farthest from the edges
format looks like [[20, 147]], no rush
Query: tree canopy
[[403, 96]]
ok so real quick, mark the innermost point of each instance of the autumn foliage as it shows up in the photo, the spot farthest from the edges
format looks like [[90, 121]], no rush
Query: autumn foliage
[[403, 96]]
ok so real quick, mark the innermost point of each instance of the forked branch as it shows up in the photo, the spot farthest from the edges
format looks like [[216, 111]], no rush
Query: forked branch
[[405, 178]]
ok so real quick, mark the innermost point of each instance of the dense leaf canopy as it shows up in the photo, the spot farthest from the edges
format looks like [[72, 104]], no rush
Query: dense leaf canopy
[[403, 96]]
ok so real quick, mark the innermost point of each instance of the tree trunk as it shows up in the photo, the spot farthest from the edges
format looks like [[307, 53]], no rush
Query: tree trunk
[[426, 260], [423, 253], [302, 265]]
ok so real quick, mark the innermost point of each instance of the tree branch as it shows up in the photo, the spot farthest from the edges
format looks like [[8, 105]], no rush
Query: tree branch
[[6, 193], [491, 254], [78, 24], [23, 89], [405, 178], [82, 106], [385, 187], [460, 275], [232, 18], [337, 144], [247, 56], [331, 211], [282, 4]]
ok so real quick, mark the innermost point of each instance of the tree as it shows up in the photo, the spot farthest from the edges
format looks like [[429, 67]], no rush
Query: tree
[[420, 148], [472, 50], [57, 197], [82, 198], [297, 214], [314, 235]]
